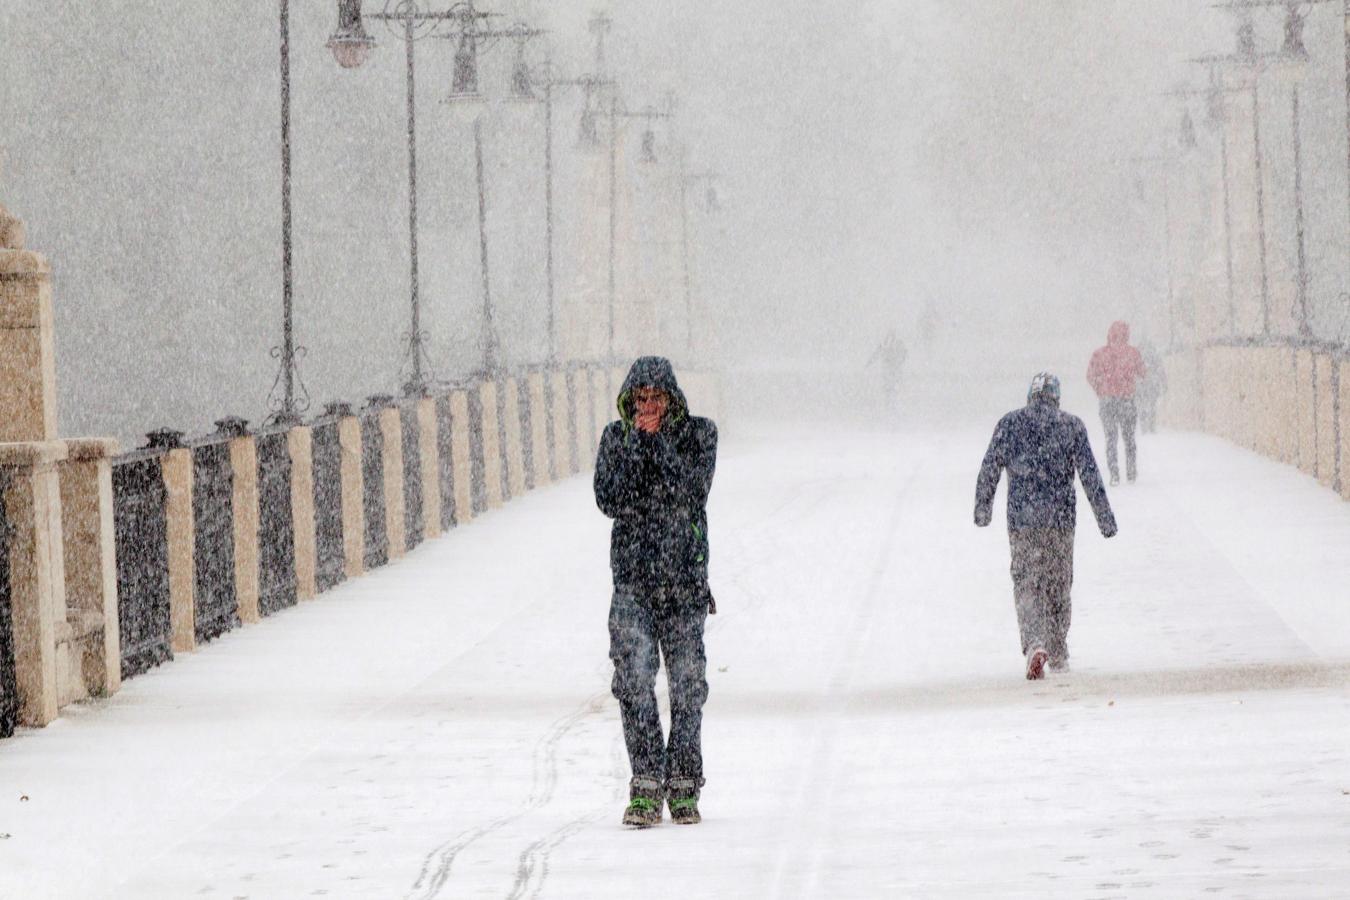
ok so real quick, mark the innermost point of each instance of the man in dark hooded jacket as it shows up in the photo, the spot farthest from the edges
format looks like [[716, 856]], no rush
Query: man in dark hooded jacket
[[1042, 447], [652, 477]]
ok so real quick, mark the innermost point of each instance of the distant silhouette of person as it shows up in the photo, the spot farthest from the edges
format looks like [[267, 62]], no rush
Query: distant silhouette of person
[[1151, 388], [892, 353], [928, 323], [1114, 372]]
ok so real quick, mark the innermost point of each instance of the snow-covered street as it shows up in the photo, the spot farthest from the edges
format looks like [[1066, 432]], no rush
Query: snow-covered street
[[443, 727]]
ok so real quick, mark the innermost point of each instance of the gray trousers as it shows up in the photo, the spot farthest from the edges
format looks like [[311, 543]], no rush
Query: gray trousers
[[644, 626], [1042, 574], [1119, 415]]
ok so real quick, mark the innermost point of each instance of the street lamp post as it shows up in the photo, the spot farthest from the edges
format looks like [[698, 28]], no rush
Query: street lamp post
[[465, 92], [287, 408], [688, 179], [614, 113], [351, 46], [1216, 102], [550, 83], [1293, 52], [1163, 162], [1248, 59]]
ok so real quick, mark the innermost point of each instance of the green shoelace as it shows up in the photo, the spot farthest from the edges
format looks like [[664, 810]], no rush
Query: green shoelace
[[683, 803], [642, 803]]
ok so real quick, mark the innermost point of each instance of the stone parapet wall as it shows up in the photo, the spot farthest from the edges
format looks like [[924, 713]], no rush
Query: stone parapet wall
[[1279, 399], [515, 433]]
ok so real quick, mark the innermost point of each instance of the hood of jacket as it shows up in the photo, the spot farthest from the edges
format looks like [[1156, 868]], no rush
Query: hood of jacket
[[652, 372], [1118, 335]]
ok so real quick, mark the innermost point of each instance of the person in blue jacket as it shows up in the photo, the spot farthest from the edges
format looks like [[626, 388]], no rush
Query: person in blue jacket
[[1042, 447], [653, 473]]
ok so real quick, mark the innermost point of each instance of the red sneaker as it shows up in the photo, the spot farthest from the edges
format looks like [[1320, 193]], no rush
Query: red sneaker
[[1036, 664]]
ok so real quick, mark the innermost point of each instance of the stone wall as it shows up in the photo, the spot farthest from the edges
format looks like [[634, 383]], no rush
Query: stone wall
[[1281, 399]]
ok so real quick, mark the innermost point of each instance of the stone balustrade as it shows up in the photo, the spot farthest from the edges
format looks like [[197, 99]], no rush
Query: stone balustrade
[[1282, 399]]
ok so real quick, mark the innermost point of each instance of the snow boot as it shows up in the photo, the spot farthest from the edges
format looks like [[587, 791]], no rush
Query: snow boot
[[1036, 664], [683, 800], [644, 804]]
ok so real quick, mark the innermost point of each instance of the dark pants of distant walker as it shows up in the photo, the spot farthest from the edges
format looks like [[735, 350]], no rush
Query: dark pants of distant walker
[[644, 626], [1118, 414], [1042, 573], [1148, 414]]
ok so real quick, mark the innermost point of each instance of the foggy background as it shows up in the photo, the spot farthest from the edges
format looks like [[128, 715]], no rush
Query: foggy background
[[974, 158]]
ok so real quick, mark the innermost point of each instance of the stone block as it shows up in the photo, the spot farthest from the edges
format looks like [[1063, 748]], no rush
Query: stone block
[[353, 497], [244, 501], [395, 508], [1326, 388], [90, 563], [425, 410], [300, 443], [27, 358], [1305, 399], [1343, 423], [562, 429], [461, 461], [514, 455], [31, 493], [181, 543], [541, 468], [490, 428]]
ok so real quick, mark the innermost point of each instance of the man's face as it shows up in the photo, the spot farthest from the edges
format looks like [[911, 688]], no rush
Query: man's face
[[651, 403]]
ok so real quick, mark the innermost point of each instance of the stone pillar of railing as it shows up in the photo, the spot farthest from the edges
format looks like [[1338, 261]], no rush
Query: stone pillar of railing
[[561, 427], [353, 495], [430, 465], [1282, 407], [581, 409], [396, 526], [181, 536], [27, 357], [489, 427], [300, 443], [244, 501], [29, 484], [1325, 416], [1342, 418], [461, 455], [1305, 399], [90, 564], [541, 468], [31, 495], [514, 454]]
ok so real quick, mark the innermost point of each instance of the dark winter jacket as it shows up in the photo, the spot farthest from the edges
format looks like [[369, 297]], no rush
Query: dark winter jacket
[[655, 486], [1041, 447]]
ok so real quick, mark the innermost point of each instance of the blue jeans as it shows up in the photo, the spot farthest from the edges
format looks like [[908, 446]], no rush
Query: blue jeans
[[646, 624]]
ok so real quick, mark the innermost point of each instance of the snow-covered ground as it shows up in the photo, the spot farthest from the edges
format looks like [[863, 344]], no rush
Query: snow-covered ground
[[443, 727]]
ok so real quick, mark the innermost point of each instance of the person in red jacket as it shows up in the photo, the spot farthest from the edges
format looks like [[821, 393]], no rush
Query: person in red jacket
[[1113, 373]]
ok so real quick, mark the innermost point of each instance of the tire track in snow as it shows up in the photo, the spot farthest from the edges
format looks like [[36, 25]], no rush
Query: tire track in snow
[[535, 858], [436, 867], [805, 498], [805, 849]]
